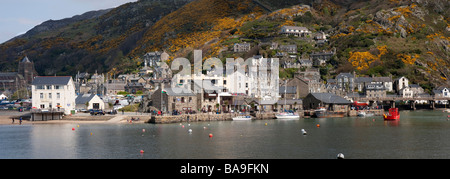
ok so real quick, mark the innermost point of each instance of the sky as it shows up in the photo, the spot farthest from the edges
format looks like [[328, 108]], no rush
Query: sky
[[19, 16]]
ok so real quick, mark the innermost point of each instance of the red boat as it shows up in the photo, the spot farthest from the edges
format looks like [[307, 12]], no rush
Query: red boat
[[393, 114]]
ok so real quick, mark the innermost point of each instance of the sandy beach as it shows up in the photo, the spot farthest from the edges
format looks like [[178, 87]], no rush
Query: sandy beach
[[84, 118]]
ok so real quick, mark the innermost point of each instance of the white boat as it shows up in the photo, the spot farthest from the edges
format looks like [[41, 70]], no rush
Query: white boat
[[364, 114], [242, 118], [287, 115], [361, 114]]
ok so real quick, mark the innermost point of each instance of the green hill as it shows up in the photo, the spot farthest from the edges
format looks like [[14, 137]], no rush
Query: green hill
[[371, 37]]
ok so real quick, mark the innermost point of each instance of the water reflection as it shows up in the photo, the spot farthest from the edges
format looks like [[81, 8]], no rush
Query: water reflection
[[420, 134]]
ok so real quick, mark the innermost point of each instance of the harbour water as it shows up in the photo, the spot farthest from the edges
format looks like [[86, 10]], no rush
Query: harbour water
[[418, 134]]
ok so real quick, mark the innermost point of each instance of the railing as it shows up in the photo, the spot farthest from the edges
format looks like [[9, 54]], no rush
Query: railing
[[46, 110], [400, 97]]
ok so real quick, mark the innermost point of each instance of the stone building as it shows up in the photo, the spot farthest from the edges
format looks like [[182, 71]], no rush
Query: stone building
[[375, 90], [329, 101], [241, 47], [170, 99], [26, 69]]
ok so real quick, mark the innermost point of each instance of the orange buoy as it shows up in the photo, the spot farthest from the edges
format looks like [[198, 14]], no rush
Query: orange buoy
[[73, 128], [142, 151], [318, 125], [210, 135]]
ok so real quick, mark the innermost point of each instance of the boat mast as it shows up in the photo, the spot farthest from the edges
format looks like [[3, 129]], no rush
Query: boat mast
[[285, 88]]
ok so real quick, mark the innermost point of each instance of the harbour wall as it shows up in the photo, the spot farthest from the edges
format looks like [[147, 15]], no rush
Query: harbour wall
[[166, 119]]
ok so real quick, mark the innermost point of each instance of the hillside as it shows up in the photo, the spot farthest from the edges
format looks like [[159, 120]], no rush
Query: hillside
[[97, 42], [371, 37]]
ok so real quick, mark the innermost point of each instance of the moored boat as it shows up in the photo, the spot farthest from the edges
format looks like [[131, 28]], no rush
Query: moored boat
[[323, 113], [287, 115], [392, 115], [242, 118], [361, 114], [364, 114]]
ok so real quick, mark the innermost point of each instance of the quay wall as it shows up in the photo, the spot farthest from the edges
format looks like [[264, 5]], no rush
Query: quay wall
[[167, 119], [376, 112]]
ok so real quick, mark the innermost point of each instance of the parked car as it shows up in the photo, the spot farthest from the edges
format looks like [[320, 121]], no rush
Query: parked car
[[97, 112]]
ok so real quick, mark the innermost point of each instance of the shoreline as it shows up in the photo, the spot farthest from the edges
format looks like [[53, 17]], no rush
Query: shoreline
[[85, 118], [81, 118], [63, 121]]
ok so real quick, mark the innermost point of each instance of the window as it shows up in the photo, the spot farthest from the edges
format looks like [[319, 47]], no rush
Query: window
[[41, 95], [40, 87], [58, 87], [49, 95], [42, 105], [49, 87], [182, 99], [58, 95]]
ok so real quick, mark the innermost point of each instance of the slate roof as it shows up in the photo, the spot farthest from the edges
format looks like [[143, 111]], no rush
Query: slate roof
[[51, 80], [178, 92], [289, 89], [363, 79], [290, 101], [25, 60], [295, 28], [330, 98], [83, 98]]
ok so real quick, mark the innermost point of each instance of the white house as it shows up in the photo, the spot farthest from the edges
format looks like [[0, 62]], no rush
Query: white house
[[401, 83], [3, 96], [92, 101], [241, 47], [295, 30], [442, 92], [406, 92], [263, 78], [50, 93]]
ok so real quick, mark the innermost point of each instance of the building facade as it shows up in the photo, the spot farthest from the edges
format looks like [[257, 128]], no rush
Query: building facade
[[241, 47], [295, 31], [53, 92]]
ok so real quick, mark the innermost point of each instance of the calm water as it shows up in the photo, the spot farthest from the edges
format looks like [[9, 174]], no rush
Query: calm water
[[422, 134]]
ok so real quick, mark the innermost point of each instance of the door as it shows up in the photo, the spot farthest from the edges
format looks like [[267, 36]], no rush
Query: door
[[96, 105]]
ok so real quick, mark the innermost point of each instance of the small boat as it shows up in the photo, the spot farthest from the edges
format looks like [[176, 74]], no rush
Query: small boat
[[287, 115], [392, 115], [323, 113], [242, 118], [364, 114], [361, 114]]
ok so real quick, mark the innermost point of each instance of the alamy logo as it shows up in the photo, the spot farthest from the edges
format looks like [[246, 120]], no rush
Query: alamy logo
[[255, 77]]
